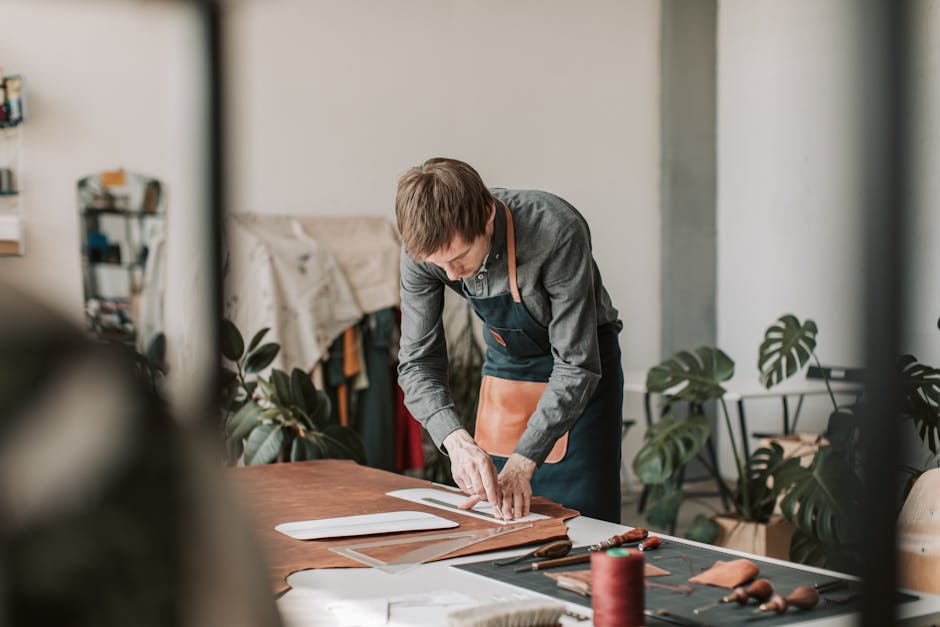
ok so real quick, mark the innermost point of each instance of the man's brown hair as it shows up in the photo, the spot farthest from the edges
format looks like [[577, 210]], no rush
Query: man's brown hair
[[438, 200]]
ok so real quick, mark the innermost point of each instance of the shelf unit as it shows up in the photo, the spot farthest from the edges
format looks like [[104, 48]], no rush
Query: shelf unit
[[12, 241], [117, 211]]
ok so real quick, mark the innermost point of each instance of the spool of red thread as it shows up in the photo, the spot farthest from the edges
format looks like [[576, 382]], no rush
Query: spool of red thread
[[617, 590]]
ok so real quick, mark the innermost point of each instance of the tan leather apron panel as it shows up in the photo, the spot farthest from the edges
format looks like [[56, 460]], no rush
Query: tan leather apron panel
[[503, 413]]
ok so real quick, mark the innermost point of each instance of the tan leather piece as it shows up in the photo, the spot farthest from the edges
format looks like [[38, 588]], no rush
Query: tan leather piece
[[502, 415], [328, 488], [649, 570], [727, 574]]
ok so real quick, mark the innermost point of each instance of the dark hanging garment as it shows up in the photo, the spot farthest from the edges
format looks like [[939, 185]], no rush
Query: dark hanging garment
[[374, 407]]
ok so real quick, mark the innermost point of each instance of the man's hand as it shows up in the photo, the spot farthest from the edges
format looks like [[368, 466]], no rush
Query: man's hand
[[473, 470], [515, 485]]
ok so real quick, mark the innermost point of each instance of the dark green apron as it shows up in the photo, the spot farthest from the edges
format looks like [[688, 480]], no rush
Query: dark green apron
[[583, 470]]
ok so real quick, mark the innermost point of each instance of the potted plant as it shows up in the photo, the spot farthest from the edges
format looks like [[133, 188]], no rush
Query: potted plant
[[824, 499], [282, 418], [690, 380]]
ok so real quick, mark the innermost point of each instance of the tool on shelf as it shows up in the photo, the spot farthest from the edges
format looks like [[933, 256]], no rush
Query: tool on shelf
[[761, 590], [802, 597], [558, 548]]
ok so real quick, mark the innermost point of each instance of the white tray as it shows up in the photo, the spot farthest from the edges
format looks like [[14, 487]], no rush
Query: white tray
[[364, 525]]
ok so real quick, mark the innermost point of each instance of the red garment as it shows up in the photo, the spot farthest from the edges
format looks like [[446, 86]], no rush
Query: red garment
[[409, 454]]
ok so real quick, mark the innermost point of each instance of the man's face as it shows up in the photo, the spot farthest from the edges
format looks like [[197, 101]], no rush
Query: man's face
[[461, 259]]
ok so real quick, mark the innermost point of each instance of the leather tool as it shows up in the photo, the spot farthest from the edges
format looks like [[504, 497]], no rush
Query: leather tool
[[761, 590], [558, 548], [634, 535]]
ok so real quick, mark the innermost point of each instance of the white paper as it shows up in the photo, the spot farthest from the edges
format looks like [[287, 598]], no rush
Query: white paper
[[416, 609], [482, 510]]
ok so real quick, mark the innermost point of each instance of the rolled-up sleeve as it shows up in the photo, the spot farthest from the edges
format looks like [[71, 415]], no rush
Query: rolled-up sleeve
[[568, 279], [422, 368]]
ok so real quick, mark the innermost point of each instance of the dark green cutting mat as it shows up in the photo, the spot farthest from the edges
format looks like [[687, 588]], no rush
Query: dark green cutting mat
[[682, 561]]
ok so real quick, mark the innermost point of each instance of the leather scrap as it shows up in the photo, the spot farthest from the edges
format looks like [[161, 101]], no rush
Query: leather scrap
[[328, 488], [727, 574], [649, 570]]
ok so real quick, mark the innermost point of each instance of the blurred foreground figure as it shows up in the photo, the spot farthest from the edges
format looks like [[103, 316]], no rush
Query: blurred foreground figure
[[109, 513]]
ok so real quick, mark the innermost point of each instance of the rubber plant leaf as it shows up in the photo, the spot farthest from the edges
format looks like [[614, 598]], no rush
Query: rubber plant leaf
[[305, 448], [692, 376], [788, 345], [243, 421], [321, 414], [344, 443], [257, 338], [232, 343], [281, 383], [670, 443], [305, 397], [337, 442], [261, 358], [264, 444]]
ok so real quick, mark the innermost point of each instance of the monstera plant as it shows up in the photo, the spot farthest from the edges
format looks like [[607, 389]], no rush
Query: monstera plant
[[822, 500], [676, 439], [690, 379], [281, 418]]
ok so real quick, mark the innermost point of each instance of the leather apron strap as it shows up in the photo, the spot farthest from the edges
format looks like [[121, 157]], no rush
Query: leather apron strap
[[511, 256]]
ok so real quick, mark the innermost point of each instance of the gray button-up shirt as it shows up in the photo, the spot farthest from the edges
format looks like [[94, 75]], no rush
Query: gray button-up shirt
[[562, 290]]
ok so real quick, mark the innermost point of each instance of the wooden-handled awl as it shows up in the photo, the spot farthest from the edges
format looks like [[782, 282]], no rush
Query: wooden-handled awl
[[630, 537], [634, 535]]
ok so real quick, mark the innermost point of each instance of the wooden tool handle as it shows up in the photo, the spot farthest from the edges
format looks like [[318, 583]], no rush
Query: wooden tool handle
[[561, 561], [558, 548], [634, 535], [804, 597], [761, 589]]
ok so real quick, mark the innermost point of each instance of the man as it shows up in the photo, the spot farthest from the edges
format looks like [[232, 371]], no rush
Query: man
[[549, 417]]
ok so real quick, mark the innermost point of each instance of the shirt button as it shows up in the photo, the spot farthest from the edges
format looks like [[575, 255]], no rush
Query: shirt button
[[480, 277]]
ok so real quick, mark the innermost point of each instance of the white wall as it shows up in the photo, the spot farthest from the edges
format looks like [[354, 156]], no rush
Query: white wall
[[789, 213], [109, 84], [921, 335], [335, 99]]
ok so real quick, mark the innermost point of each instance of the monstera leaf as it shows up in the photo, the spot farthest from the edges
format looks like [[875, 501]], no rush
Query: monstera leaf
[[694, 377], [787, 347], [921, 386], [822, 501], [665, 501], [761, 482], [670, 443]]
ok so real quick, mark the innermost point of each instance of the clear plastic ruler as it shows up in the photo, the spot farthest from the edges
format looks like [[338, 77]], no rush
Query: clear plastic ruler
[[442, 544]]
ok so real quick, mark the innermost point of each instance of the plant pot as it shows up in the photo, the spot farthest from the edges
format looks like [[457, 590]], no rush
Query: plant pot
[[771, 539], [919, 535]]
